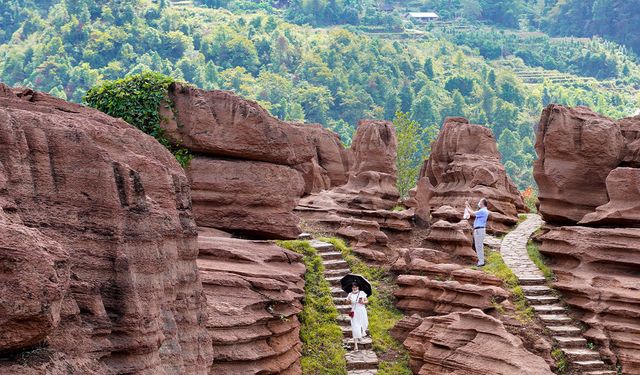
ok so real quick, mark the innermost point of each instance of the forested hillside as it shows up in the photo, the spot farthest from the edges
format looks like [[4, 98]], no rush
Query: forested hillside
[[333, 75], [616, 20]]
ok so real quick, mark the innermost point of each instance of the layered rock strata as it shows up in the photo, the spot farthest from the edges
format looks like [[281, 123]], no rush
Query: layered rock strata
[[465, 165], [98, 259], [469, 343], [425, 296], [587, 172], [250, 168], [251, 198], [254, 291], [360, 210]]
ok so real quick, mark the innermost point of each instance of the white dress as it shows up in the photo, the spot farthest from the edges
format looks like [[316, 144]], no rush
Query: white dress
[[360, 320]]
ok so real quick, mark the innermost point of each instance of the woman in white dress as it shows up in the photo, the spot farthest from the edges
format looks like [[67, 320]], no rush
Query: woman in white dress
[[359, 319]]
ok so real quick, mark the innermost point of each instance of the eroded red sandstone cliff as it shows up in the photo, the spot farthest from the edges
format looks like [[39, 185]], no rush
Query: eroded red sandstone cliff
[[99, 247], [587, 172]]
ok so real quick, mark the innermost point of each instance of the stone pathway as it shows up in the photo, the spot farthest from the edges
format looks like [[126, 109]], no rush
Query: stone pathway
[[545, 301], [361, 362]]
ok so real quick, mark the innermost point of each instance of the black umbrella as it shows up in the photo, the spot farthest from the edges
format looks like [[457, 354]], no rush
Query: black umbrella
[[351, 278]]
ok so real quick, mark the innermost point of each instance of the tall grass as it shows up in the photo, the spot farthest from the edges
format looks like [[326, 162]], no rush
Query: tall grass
[[322, 350]]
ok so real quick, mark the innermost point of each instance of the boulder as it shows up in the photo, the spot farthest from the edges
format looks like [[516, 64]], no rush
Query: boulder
[[577, 149], [254, 291], [469, 343], [97, 218], [597, 273], [220, 123], [465, 165], [245, 197]]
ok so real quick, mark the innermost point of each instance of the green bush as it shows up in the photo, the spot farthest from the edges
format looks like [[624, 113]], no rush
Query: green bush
[[137, 99], [322, 351], [383, 314]]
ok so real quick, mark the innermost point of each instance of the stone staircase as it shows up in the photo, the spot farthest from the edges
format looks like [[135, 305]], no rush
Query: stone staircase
[[545, 302], [361, 362]]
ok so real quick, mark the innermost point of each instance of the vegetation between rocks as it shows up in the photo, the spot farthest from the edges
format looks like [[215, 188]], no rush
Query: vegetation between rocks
[[383, 315], [538, 259], [322, 350], [494, 265], [561, 361], [137, 99]]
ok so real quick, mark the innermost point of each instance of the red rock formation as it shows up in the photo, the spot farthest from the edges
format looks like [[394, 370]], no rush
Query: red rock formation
[[372, 178], [253, 291], [623, 208], [597, 273], [250, 168], [330, 164], [469, 343], [424, 296], [97, 218], [576, 151], [220, 123], [248, 197], [465, 165], [360, 209], [588, 174]]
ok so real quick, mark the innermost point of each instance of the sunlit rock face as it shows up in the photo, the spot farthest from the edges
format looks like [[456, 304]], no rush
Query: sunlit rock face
[[589, 177], [98, 246], [464, 164]]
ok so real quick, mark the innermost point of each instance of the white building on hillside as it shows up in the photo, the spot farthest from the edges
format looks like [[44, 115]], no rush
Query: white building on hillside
[[423, 16]]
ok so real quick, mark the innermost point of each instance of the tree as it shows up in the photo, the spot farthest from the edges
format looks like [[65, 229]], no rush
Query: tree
[[428, 68], [409, 152]]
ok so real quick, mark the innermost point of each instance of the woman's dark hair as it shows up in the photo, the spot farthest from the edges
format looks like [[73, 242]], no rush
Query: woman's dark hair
[[484, 202], [355, 284]]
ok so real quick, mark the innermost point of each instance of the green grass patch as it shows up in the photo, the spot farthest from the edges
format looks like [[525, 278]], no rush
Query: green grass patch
[[521, 218], [383, 314], [538, 259], [561, 360], [494, 265], [322, 351]]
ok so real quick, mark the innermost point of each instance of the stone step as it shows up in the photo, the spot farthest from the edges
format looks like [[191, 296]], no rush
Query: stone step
[[340, 301], [548, 309], [364, 343], [566, 331], [361, 359], [363, 372], [344, 320], [571, 342], [581, 354], [321, 246], [340, 272], [554, 319], [305, 236], [346, 332], [338, 292], [337, 264], [603, 372], [343, 309], [532, 280], [333, 280], [542, 300], [331, 255], [589, 365], [536, 290]]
